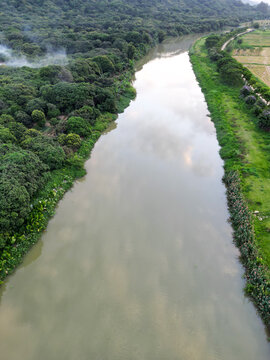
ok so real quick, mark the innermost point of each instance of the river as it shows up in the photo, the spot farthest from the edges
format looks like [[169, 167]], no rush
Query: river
[[138, 262]]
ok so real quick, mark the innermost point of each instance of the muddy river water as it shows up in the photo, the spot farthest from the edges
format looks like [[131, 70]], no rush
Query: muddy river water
[[138, 262]]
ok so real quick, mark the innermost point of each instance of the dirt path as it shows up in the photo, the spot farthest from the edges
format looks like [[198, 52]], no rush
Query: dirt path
[[234, 37]]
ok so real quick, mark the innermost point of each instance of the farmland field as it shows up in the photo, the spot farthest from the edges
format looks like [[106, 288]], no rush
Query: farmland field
[[254, 53], [260, 71]]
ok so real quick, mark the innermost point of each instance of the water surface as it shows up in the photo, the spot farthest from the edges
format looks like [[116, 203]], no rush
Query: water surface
[[138, 263]]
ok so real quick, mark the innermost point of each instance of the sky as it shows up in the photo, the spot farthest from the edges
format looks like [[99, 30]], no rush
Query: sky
[[258, 1]]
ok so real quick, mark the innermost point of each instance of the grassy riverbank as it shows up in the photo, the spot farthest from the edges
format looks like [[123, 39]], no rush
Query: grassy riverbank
[[246, 155]]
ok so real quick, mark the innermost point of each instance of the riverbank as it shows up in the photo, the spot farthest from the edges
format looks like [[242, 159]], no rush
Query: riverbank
[[59, 182], [245, 151]]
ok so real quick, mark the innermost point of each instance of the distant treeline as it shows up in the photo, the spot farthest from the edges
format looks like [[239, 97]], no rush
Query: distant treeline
[[91, 26]]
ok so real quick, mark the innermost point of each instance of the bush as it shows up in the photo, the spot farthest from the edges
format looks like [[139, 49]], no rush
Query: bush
[[76, 162], [264, 120], [250, 99], [78, 125], [54, 121], [257, 110], [246, 90]]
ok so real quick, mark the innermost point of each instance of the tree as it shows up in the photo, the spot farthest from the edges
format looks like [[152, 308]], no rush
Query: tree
[[18, 130], [38, 117], [5, 119], [78, 125], [23, 118], [14, 204], [68, 96], [53, 111], [131, 50], [36, 104], [105, 64], [89, 113], [6, 136], [71, 140], [212, 41], [50, 73], [231, 75], [24, 166], [161, 36], [105, 100], [48, 151]]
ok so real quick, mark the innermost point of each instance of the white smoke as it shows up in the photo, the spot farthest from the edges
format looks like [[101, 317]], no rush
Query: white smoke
[[51, 58]]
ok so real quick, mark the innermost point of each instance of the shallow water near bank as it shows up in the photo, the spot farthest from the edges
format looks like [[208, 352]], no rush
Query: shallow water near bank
[[138, 262]]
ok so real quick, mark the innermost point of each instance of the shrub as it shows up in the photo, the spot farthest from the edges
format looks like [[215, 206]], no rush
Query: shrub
[[54, 121], [264, 120], [257, 110], [246, 90], [76, 162], [250, 99]]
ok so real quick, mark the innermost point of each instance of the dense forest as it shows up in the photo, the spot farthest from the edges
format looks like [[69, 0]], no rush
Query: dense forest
[[49, 104]]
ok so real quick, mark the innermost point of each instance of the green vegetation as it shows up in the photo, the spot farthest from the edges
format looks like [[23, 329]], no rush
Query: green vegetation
[[52, 111], [246, 155]]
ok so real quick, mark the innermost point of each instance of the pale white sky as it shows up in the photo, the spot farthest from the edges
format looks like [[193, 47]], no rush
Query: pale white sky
[[258, 1]]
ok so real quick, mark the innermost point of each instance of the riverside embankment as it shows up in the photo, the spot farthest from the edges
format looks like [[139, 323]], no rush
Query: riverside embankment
[[138, 262], [243, 148]]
